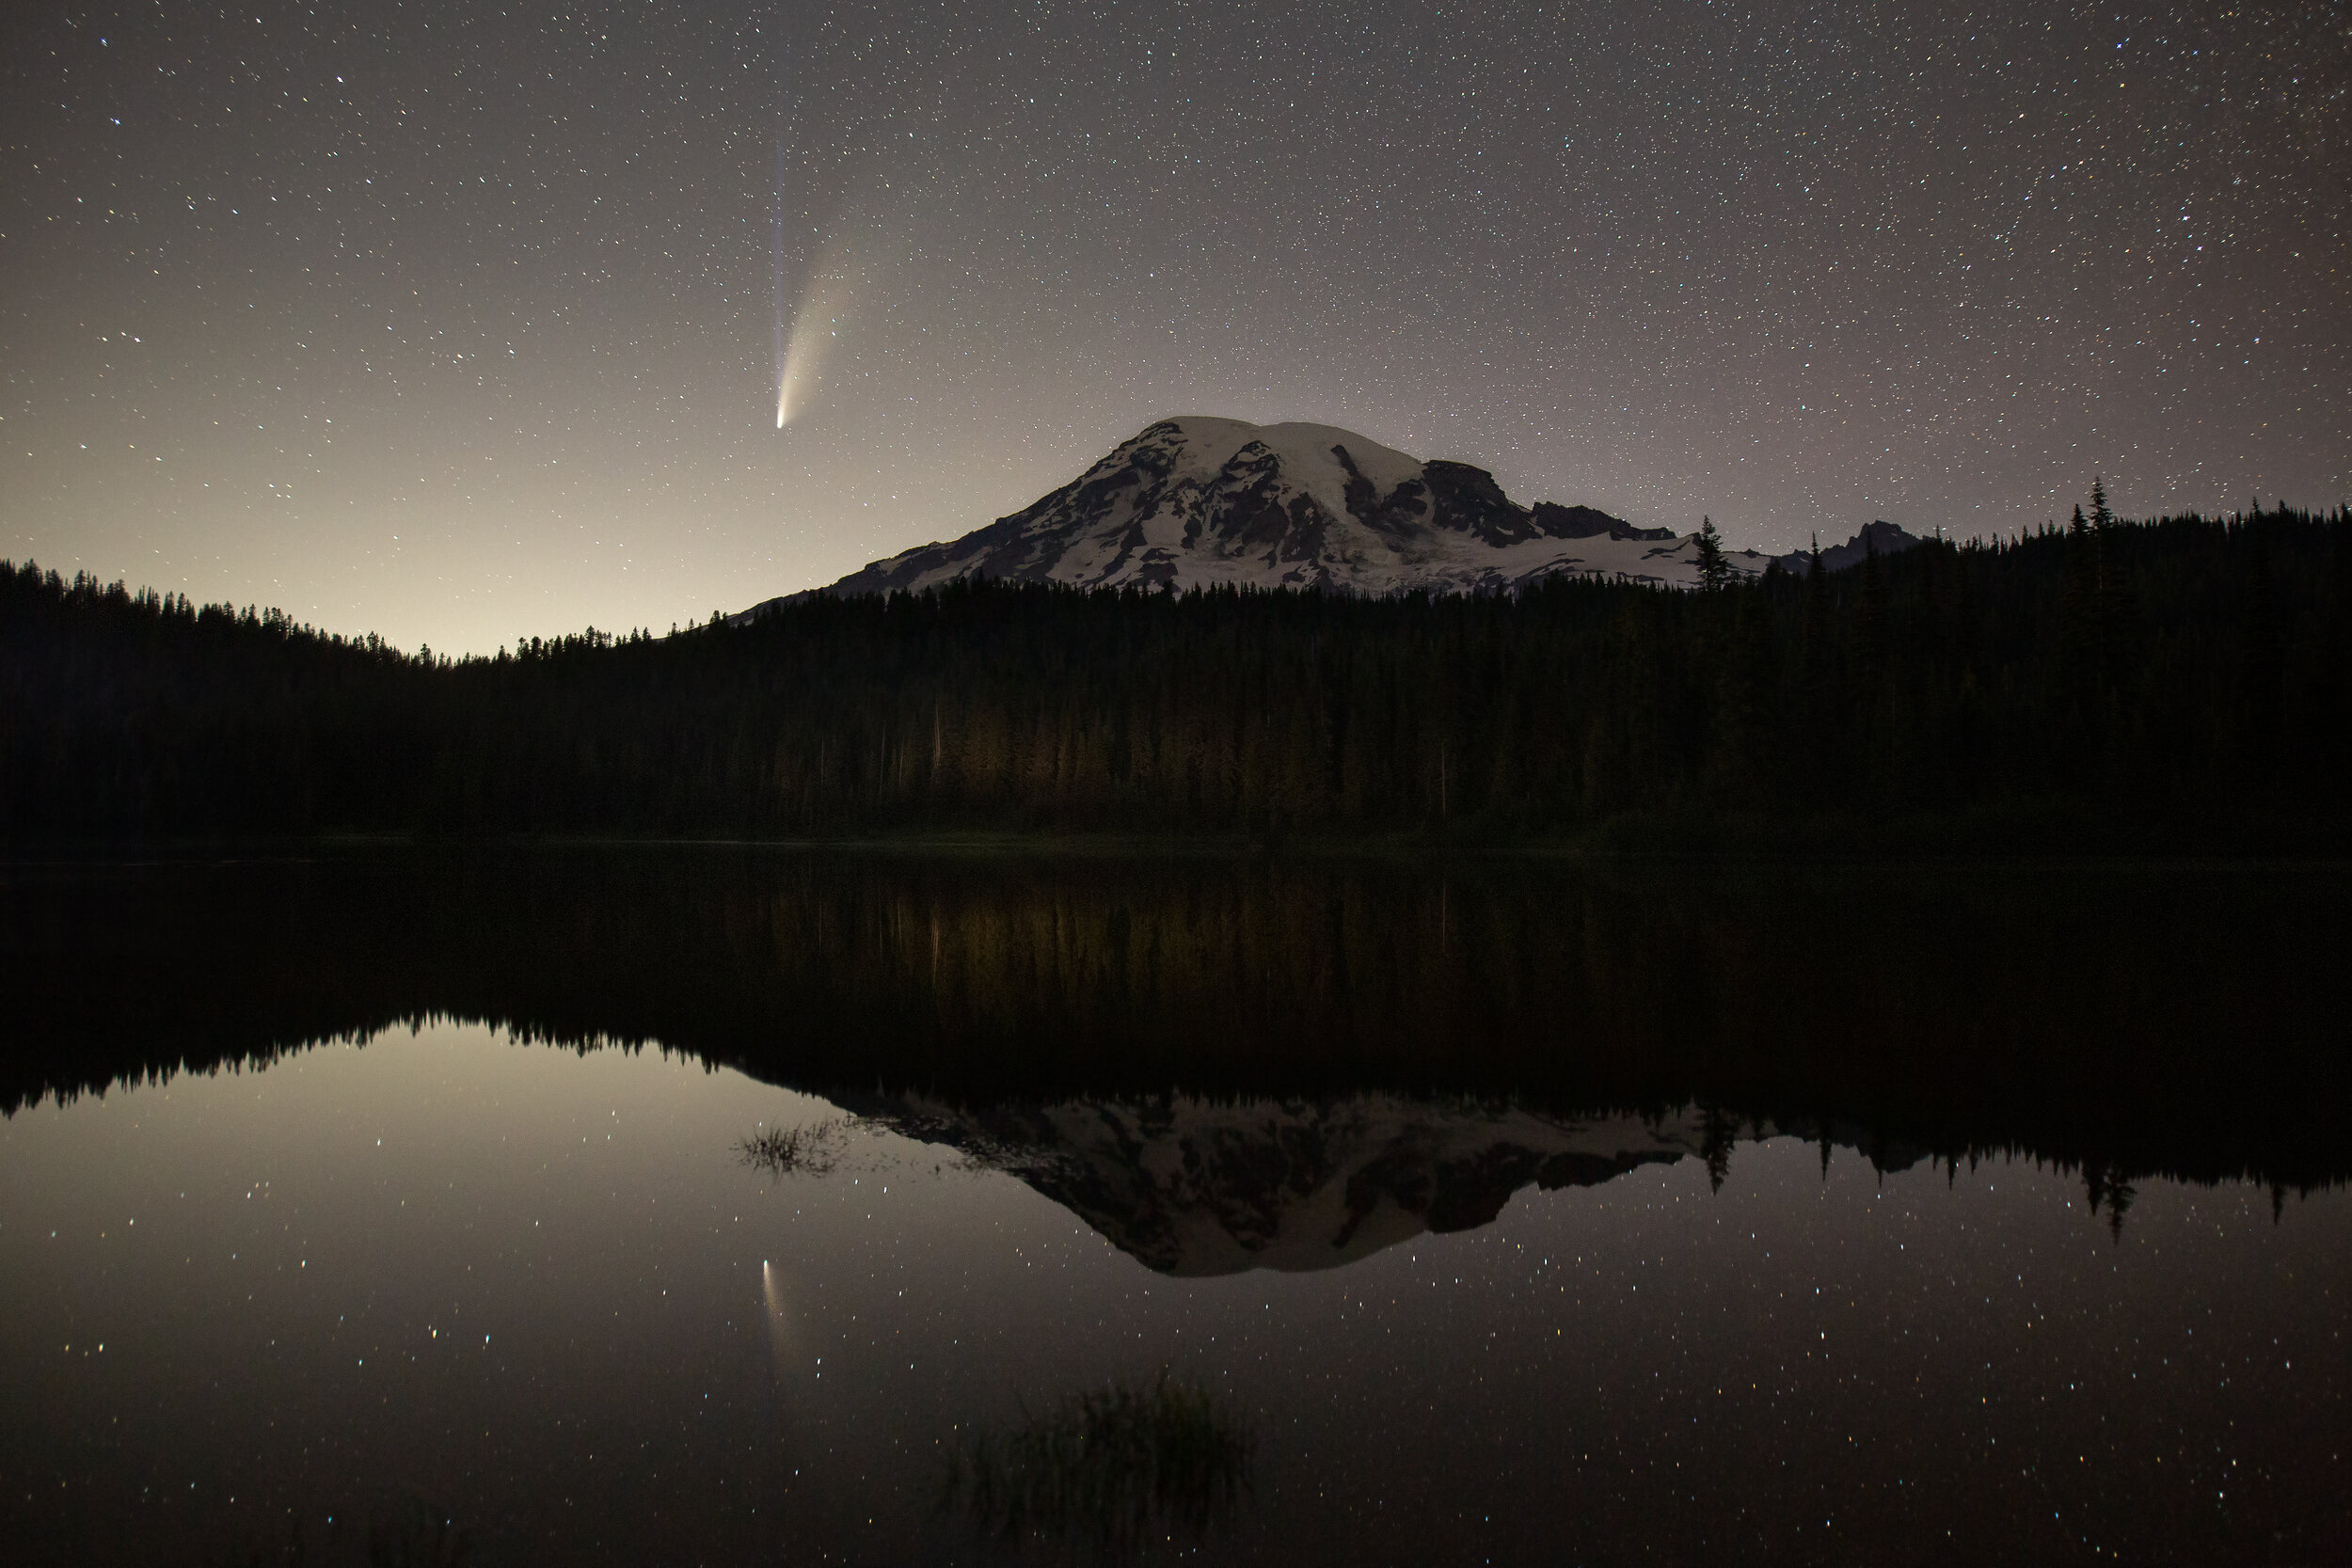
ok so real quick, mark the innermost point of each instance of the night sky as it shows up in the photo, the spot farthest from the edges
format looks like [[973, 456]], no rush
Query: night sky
[[459, 324]]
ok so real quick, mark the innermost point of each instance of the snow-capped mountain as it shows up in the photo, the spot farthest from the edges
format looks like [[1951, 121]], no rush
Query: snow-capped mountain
[[1198, 501]]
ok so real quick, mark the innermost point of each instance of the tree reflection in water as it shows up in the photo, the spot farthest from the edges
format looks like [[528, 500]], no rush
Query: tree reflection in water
[[1105, 1472], [2140, 1020], [813, 1149]]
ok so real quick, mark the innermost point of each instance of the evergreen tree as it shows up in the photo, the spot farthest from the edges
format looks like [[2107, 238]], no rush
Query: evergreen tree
[[1715, 568], [2080, 649], [2262, 665]]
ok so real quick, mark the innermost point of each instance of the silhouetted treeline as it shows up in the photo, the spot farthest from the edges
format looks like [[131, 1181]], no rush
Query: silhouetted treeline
[[2182, 681]]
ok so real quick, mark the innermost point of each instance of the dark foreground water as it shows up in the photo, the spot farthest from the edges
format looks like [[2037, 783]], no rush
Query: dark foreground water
[[635, 1206]]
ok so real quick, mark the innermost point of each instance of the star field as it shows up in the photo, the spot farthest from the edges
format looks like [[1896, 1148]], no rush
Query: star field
[[460, 324]]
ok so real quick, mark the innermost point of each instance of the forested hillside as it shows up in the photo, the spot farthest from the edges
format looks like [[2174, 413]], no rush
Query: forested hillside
[[2180, 682]]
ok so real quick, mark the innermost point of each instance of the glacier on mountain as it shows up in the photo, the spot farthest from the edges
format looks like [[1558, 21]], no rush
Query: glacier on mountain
[[1198, 501]]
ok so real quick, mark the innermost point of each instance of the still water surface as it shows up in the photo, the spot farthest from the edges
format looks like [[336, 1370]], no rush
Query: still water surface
[[446, 1283]]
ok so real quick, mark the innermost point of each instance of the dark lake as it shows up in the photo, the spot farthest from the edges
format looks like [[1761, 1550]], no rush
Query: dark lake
[[726, 1205]]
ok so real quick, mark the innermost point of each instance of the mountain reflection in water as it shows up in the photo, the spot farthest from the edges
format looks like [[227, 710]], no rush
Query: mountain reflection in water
[[1250, 1212], [1195, 1188]]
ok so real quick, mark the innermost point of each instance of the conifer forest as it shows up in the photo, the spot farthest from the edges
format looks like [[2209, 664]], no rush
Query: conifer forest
[[2107, 683]]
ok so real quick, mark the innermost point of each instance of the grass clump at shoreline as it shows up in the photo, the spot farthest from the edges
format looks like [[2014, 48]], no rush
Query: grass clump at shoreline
[[1107, 1470]]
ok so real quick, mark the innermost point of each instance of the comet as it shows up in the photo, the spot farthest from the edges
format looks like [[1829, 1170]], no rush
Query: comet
[[818, 322], [806, 328], [776, 291]]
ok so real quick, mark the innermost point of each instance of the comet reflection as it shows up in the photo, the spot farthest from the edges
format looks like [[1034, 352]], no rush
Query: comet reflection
[[780, 1334]]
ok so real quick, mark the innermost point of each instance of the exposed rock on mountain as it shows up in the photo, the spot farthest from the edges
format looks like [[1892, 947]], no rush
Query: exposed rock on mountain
[[1882, 536], [1199, 501], [1193, 1187]]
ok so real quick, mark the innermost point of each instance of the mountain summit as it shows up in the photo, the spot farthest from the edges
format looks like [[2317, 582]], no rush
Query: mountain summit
[[1199, 502]]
